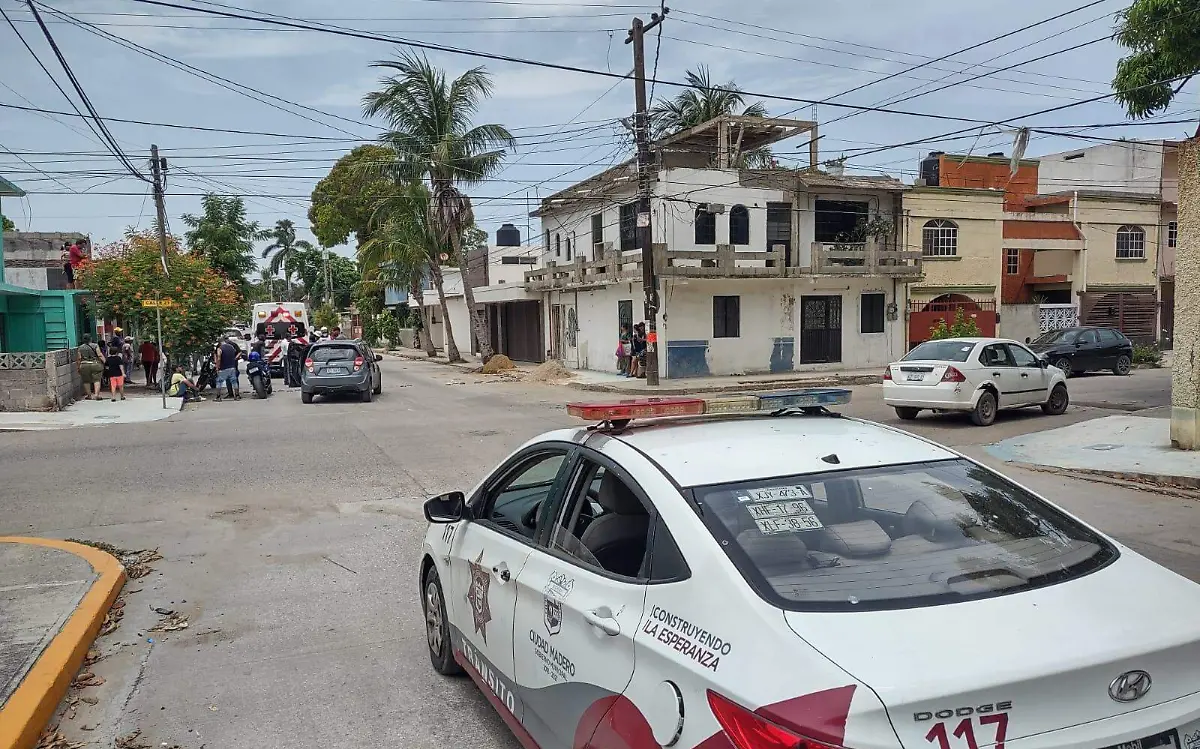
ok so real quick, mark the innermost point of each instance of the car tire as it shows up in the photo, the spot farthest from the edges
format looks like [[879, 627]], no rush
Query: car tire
[[379, 387], [367, 396], [1058, 401], [1065, 365], [984, 412], [907, 413], [1124, 366], [306, 397], [437, 626]]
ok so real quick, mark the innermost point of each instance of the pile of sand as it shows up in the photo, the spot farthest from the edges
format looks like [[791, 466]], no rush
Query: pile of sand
[[498, 363], [550, 371]]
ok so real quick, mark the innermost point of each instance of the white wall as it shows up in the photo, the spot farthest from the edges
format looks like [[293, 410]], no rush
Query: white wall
[[598, 323], [28, 278], [1121, 167], [575, 220], [675, 219], [500, 273], [460, 318]]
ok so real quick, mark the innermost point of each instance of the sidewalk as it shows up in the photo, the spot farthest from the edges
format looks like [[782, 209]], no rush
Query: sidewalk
[[1134, 448], [81, 413], [54, 595], [609, 382]]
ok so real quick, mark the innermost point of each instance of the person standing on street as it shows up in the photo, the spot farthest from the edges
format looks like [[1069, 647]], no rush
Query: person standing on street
[[225, 358], [127, 352], [114, 367], [149, 353], [90, 367], [335, 333]]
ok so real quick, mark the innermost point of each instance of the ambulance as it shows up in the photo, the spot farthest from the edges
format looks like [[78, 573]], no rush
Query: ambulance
[[280, 322]]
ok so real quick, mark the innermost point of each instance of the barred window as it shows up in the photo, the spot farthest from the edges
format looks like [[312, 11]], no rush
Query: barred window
[[939, 238], [1012, 261], [1172, 233], [1131, 243]]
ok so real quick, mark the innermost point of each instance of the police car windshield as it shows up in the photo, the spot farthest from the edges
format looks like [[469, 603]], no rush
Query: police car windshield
[[280, 329], [895, 537]]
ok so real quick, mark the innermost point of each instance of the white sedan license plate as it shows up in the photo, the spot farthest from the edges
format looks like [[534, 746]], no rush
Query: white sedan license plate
[[1164, 740], [914, 377], [330, 371]]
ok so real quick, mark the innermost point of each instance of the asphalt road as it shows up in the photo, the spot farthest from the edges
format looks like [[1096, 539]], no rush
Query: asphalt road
[[291, 535]]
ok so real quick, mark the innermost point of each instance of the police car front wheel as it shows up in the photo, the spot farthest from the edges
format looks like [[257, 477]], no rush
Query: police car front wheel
[[437, 628]]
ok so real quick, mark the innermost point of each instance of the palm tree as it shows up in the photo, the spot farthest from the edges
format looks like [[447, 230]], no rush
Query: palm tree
[[429, 121], [284, 250], [405, 244], [700, 103]]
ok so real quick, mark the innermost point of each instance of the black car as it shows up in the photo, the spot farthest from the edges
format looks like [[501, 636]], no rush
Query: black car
[[340, 366], [1084, 349]]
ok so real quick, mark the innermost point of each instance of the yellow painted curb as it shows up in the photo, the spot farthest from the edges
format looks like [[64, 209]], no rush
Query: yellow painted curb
[[31, 706]]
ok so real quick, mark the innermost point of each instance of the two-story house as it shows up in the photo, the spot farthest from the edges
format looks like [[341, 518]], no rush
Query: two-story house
[[1020, 260], [1148, 171], [759, 270]]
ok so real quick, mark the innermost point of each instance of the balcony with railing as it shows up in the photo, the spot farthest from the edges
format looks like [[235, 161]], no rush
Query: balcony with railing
[[614, 266]]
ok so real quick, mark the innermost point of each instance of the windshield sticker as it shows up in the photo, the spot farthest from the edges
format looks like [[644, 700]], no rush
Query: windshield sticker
[[784, 517], [774, 494], [690, 639]]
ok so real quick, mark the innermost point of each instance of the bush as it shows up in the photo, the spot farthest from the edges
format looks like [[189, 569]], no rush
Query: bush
[[962, 327], [389, 328], [326, 316], [1147, 356]]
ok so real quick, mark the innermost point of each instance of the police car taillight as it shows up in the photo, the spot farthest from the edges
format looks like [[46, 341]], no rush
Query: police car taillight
[[358, 362], [747, 730]]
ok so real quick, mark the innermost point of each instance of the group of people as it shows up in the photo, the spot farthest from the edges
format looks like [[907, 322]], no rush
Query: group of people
[[113, 359], [631, 350]]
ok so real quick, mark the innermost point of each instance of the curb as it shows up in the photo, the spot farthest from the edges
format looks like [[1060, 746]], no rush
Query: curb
[[421, 357], [1190, 483], [738, 387], [30, 707]]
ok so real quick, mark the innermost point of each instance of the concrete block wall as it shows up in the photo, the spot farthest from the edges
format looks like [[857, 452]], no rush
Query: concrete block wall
[[36, 382]]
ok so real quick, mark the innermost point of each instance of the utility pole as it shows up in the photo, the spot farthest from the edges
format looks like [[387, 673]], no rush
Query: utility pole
[[158, 167], [645, 234]]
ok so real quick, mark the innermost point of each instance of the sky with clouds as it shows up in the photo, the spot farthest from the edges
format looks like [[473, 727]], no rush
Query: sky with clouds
[[567, 123]]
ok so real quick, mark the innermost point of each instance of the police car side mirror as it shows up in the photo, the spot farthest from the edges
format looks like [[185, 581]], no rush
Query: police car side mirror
[[446, 508]]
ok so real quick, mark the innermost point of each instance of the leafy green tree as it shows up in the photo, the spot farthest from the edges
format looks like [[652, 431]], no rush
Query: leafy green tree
[[310, 266], [700, 103], [325, 316], [1163, 38], [346, 200], [224, 236], [8, 224], [283, 249], [407, 247], [431, 133], [125, 273], [389, 328]]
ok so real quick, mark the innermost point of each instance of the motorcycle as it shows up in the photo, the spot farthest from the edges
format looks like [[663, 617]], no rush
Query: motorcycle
[[208, 375], [259, 374]]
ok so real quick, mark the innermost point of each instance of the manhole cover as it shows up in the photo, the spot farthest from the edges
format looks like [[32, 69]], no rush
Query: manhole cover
[[1103, 447]]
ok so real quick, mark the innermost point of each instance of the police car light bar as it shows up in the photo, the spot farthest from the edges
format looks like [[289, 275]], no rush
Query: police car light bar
[[641, 408]]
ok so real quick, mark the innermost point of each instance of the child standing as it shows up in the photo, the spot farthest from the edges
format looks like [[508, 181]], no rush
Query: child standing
[[114, 367]]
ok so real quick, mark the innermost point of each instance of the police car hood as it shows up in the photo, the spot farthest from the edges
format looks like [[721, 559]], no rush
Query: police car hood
[[1046, 657]]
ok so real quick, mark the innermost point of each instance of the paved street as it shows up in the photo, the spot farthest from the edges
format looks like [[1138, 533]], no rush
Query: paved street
[[290, 536]]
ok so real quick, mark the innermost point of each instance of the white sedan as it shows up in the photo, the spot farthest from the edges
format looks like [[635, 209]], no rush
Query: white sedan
[[791, 579], [980, 376]]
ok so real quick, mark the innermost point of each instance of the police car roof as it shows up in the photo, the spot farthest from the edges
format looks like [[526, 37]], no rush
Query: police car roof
[[707, 450]]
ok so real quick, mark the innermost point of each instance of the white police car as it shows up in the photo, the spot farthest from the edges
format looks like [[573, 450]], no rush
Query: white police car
[[782, 579]]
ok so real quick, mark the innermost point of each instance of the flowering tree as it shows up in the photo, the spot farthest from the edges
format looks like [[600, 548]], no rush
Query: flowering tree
[[126, 272]]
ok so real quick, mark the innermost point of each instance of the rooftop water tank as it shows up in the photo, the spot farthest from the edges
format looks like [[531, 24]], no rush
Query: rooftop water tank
[[508, 236], [930, 168]]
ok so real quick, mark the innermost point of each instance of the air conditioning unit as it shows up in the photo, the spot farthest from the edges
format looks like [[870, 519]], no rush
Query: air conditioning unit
[[712, 207]]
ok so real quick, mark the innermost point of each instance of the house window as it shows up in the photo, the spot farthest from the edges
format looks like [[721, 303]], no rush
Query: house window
[[557, 245], [1172, 233], [628, 222], [546, 241], [739, 225], [518, 260], [1012, 261], [706, 226], [570, 246], [779, 226], [727, 317], [939, 238], [1131, 243], [840, 221], [870, 312], [597, 230]]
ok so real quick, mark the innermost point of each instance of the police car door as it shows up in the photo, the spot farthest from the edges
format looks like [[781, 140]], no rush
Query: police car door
[[579, 602], [487, 554]]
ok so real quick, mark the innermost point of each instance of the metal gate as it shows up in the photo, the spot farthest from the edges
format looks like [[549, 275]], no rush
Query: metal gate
[[820, 329]]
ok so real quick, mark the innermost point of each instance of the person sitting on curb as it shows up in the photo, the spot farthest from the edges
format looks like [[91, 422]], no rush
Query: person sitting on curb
[[182, 387]]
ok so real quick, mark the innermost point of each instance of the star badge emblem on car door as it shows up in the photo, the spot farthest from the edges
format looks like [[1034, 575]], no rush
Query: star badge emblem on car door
[[477, 595]]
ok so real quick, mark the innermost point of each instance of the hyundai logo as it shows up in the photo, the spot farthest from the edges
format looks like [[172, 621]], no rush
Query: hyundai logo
[[1129, 686]]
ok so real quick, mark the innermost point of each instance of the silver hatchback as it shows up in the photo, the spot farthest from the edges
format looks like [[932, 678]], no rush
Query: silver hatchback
[[340, 366]]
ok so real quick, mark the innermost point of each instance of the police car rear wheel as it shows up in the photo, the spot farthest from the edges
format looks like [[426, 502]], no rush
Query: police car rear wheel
[[437, 630]]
